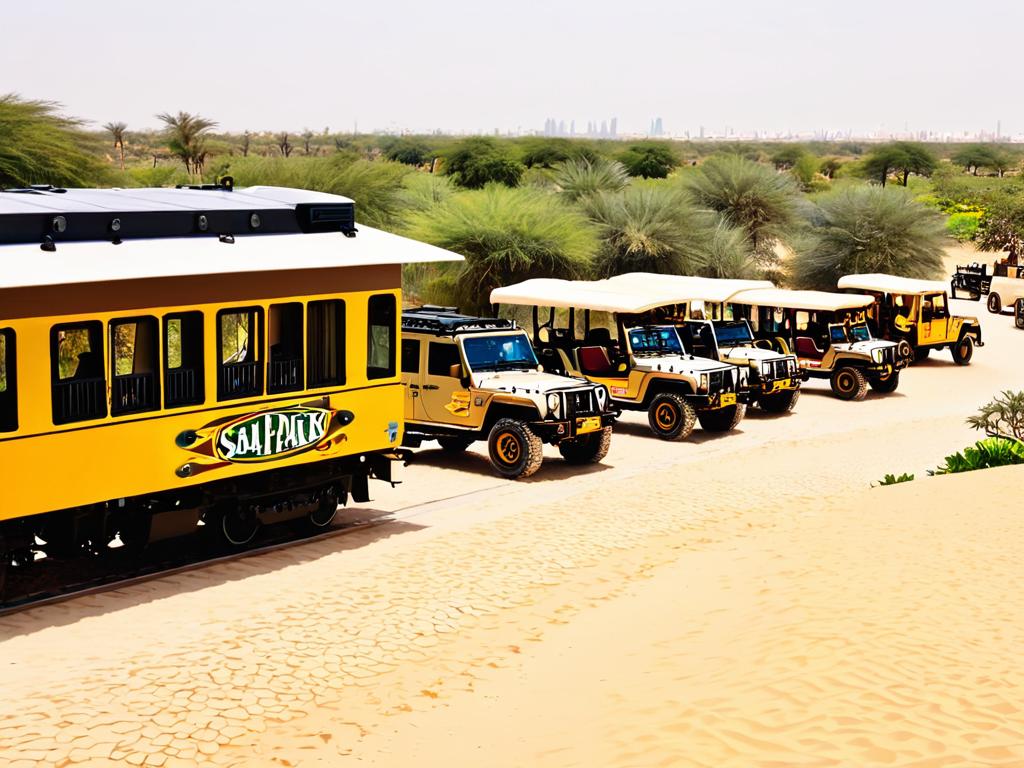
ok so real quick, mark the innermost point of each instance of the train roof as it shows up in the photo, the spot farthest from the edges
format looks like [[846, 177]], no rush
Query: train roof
[[53, 237], [883, 283]]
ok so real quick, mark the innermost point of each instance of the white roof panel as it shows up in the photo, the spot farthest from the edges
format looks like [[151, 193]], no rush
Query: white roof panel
[[597, 295], [883, 283], [810, 300], [685, 288], [25, 265]]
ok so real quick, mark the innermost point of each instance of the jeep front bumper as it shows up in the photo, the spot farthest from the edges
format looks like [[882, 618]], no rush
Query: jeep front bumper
[[556, 431], [720, 400]]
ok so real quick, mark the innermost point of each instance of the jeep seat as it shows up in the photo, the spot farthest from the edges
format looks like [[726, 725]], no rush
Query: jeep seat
[[594, 360], [805, 347]]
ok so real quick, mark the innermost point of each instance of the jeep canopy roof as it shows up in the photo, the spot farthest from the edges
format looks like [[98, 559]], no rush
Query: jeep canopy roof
[[883, 283], [599, 295], [820, 301], [685, 288]]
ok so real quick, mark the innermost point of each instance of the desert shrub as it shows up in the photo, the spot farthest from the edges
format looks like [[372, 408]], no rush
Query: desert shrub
[[580, 178], [963, 226], [506, 235], [891, 479], [649, 160], [868, 229], [1003, 415], [985, 454], [478, 161]]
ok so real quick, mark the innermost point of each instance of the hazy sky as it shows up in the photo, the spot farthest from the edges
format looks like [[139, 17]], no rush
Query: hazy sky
[[474, 65]]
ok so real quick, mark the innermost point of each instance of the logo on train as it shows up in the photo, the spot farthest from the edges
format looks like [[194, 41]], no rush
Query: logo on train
[[272, 434]]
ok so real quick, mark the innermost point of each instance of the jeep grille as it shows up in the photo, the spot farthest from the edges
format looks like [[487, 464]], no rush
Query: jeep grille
[[720, 381], [579, 402], [779, 369]]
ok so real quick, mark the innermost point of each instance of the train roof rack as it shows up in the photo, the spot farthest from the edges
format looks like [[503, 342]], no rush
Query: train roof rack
[[446, 321], [33, 214]]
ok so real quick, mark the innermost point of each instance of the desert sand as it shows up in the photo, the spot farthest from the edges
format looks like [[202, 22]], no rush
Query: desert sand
[[744, 599]]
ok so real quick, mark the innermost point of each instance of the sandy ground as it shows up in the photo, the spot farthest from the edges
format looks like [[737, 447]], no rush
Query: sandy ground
[[745, 599]]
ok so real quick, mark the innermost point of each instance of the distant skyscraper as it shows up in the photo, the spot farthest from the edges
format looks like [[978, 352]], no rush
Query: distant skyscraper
[[572, 127], [702, 131], [614, 127], [604, 129]]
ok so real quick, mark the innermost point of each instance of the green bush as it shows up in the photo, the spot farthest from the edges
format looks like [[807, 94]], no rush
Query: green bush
[[985, 454], [649, 160], [478, 161], [963, 226], [1003, 415], [891, 479]]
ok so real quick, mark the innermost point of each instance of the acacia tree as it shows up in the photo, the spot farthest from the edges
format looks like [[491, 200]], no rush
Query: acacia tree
[[750, 196], [38, 145], [868, 229], [1001, 227], [649, 160], [186, 138], [284, 145], [117, 130], [307, 137], [902, 158]]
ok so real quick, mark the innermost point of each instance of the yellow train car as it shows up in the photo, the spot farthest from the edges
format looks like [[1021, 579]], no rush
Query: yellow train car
[[171, 356]]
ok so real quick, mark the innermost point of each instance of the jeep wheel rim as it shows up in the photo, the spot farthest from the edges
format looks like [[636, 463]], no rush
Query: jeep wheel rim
[[665, 415], [509, 449], [845, 382], [965, 347]]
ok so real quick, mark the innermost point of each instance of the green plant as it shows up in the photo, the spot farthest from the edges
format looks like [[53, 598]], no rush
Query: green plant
[[902, 158], [985, 454], [581, 178], [1002, 416], [40, 146], [186, 138], [649, 160], [750, 196], [506, 235], [868, 229], [891, 479], [476, 162], [407, 151], [805, 171], [963, 226]]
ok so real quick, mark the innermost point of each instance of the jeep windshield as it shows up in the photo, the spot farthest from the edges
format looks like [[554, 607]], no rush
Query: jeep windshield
[[655, 341], [843, 334], [733, 333], [499, 353]]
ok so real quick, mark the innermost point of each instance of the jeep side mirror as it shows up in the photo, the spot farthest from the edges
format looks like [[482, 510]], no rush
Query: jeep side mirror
[[456, 371]]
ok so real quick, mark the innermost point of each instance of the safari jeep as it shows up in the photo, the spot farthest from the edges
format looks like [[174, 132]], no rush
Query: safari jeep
[[829, 334], [773, 379], [917, 311], [472, 378], [645, 369], [1004, 286]]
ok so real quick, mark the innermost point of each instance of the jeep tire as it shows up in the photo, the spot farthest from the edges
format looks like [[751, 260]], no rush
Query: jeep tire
[[514, 450], [1018, 313], [722, 419], [455, 443], [587, 449], [885, 384], [780, 402], [963, 350], [671, 417], [848, 383], [995, 303], [921, 354]]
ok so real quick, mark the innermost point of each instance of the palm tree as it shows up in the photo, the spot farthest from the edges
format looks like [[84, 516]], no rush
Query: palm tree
[[750, 196], [117, 131], [656, 229], [506, 235], [186, 138], [40, 146], [581, 178], [868, 229]]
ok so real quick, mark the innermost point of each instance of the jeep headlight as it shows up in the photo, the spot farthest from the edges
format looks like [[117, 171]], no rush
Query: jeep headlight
[[876, 355], [554, 401], [792, 365], [703, 382], [766, 369], [601, 393]]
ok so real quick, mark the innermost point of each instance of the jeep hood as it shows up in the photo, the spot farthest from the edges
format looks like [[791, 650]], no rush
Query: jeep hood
[[527, 382], [679, 364], [864, 347], [750, 354]]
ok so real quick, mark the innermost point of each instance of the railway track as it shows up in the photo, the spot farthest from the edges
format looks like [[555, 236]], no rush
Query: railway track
[[44, 585]]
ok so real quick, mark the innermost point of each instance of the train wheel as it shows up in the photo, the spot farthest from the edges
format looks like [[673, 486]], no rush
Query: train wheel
[[325, 511], [239, 525]]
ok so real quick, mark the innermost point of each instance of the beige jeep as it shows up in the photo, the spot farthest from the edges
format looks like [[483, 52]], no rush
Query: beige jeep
[[471, 378]]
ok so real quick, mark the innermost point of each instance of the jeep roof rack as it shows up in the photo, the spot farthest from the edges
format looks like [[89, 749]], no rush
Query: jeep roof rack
[[445, 321]]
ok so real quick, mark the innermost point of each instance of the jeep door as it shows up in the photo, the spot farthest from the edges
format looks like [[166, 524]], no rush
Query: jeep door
[[411, 383], [443, 398], [934, 318]]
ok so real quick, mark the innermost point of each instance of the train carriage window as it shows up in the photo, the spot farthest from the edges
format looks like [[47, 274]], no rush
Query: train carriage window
[[239, 369], [134, 384], [381, 331], [325, 331], [183, 360], [8, 382], [284, 333], [79, 383], [410, 355]]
